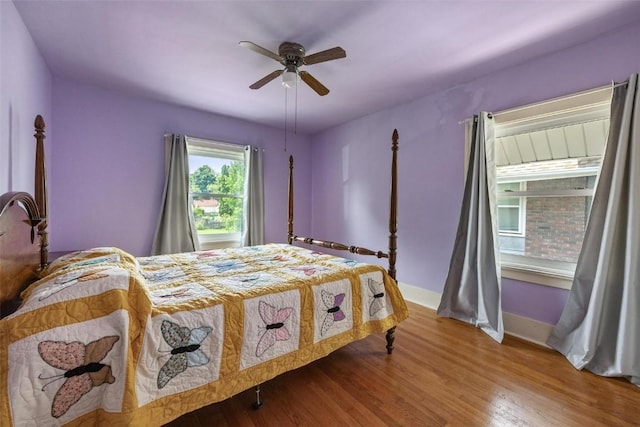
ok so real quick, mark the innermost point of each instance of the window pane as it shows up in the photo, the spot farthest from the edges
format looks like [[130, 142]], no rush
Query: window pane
[[574, 183], [217, 215], [506, 200], [509, 201], [555, 227], [509, 219], [217, 186], [509, 186]]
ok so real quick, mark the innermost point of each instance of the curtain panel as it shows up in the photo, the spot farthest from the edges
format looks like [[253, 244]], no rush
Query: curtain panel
[[176, 231], [253, 205], [599, 326], [472, 291]]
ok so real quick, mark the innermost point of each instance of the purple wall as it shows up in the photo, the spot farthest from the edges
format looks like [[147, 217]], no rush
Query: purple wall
[[431, 163], [108, 166], [25, 90]]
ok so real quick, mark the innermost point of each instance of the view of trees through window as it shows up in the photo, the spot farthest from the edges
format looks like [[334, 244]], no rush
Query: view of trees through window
[[217, 196]]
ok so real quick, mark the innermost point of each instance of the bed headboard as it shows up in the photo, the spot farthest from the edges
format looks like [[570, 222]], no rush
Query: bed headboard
[[23, 232], [19, 246]]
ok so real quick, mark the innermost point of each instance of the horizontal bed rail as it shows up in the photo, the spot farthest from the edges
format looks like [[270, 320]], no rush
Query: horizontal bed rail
[[339, 246]]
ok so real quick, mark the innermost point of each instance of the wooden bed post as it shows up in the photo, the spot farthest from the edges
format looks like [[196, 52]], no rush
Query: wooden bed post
[[290, 220], [393, 225], [41, 190], [393, 209]]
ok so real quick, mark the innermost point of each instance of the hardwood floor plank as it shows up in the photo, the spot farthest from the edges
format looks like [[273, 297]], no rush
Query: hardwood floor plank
[[442, 373]]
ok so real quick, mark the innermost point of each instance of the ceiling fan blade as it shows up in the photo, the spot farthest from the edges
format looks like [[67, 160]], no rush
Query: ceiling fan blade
[[325, 55], [266, 79], [313, 83], [266, 52]]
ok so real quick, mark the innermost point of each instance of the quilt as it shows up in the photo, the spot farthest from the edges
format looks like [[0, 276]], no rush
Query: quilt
[[105, 337]]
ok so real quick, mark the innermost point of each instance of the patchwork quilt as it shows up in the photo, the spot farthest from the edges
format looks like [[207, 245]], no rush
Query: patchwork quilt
[[106, 337]]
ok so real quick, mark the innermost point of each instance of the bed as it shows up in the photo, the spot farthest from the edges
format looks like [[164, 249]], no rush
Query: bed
[[99, 336]]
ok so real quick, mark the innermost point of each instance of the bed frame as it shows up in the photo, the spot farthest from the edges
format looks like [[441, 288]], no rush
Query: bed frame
[[23, 256]]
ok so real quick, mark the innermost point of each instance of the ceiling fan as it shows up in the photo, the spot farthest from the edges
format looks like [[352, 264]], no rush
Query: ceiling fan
[[292, 56]]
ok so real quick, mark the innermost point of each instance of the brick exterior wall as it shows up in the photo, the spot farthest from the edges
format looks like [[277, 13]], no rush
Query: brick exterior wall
[[557, 236]]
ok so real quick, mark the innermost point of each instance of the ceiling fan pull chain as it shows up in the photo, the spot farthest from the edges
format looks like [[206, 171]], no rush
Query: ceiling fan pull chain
[[285, 121], [295, 116]]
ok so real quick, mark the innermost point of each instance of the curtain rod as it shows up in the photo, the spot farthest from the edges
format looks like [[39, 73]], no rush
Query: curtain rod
[[214, 141], [225, 144]]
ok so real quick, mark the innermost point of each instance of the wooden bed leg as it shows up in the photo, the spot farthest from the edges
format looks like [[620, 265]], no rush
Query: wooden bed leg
[[258, 403], [390, 338]]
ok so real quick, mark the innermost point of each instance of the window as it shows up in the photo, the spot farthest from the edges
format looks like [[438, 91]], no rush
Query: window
[[216, 187], [511, 210], [550, 233], [548, 156]]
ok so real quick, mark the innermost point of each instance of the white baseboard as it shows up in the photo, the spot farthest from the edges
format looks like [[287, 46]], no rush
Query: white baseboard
[[528, 329], [424, 297]]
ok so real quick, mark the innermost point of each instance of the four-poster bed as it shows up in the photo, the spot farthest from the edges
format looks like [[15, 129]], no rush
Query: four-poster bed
[[102, 336]]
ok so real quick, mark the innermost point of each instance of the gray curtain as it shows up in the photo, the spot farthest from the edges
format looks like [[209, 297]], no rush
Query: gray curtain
[[253, 207], [472, 289], [176, 231], [599, 327]]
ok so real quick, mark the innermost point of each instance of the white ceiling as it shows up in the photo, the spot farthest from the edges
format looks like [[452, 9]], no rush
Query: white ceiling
[[187, 52]]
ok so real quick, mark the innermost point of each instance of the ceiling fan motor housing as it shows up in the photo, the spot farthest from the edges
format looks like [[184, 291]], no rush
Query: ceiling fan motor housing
[[292, 53]]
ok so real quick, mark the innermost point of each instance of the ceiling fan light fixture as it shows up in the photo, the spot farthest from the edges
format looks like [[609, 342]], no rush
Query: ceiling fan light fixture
[[289, 79]]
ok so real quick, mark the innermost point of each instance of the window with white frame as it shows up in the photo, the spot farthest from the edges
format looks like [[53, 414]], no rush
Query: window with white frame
[[216, 188], [548, 156], [511, 210]]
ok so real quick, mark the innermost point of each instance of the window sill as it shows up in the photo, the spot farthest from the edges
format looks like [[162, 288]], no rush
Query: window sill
[[542, 276], [207, 246], [219, 238]]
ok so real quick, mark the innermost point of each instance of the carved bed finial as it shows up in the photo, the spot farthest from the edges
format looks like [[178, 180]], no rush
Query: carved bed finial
[[39, 123]]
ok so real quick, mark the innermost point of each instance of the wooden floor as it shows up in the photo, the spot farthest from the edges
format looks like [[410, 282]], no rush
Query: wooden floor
[[442, 372]]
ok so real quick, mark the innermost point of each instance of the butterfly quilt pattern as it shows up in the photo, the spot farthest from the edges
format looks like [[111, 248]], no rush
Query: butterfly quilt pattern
[[69, 279], [75, 284], [162, 276], [91, 257], [185, 350], [333, 309], [69, 371], [243, 282], [271, 327], [180, 352], [179, 294], [217, 267], [308, 270], [83, 370], [375, 301]]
